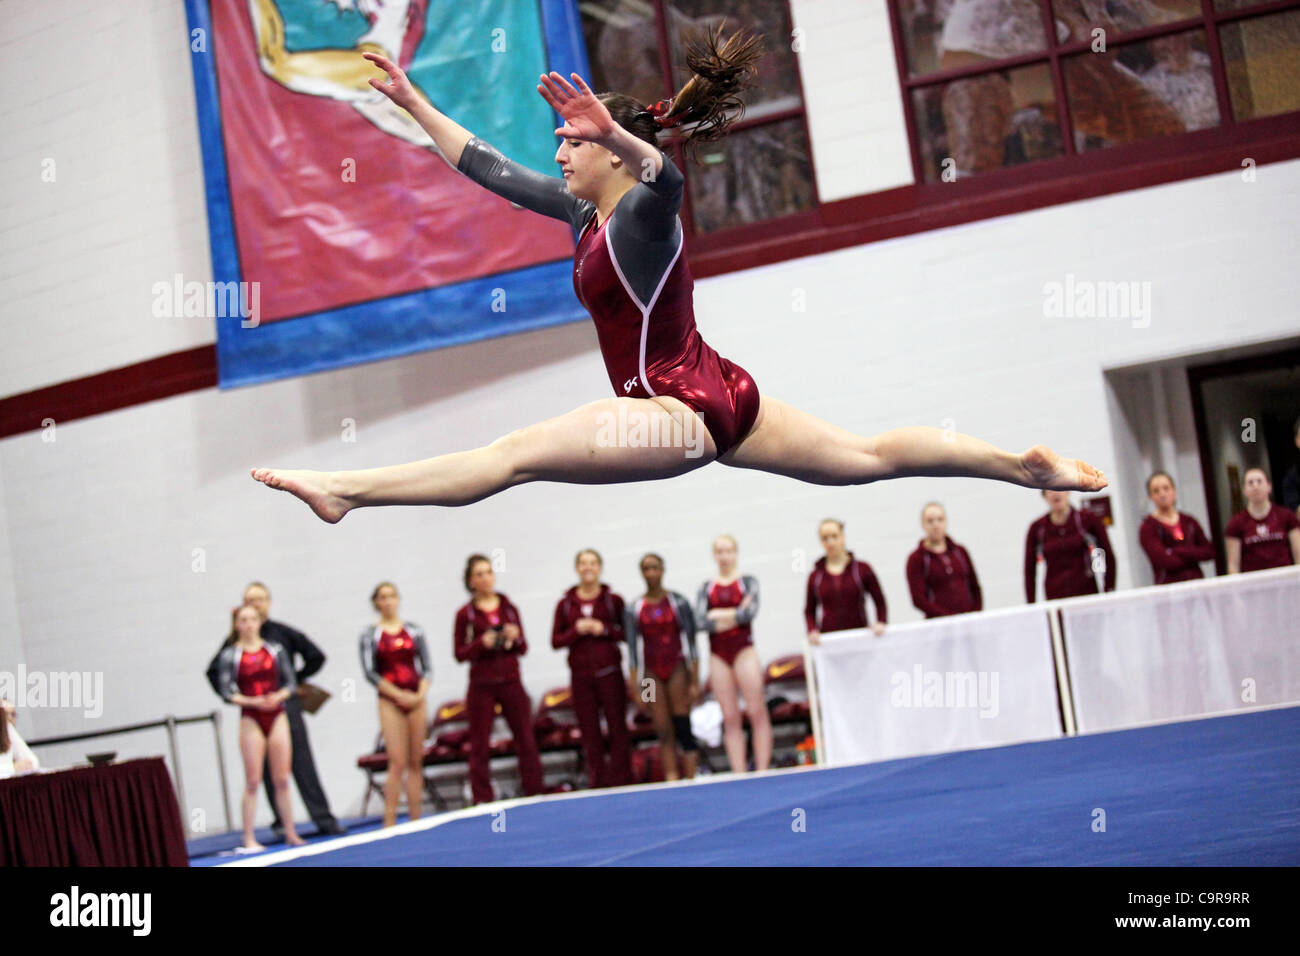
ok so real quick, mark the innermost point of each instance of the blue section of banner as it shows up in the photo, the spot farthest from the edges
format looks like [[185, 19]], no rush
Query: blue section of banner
[[528, 298], [221, 227]]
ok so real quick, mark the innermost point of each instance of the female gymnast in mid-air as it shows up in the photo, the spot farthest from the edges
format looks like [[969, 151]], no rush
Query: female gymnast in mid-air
[[622, 194]]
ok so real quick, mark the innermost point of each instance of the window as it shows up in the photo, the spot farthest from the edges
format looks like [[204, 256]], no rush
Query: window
[[761, 170], [994, 84]]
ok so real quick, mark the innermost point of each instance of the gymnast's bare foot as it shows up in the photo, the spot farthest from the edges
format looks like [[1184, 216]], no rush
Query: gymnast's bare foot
[[1044, 468], [312, 487]]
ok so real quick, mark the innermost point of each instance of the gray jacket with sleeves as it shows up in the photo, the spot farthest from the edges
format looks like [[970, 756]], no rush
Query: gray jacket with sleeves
[[747, 611], [685, 624], [646, 235], [370, 640], [228, 669]]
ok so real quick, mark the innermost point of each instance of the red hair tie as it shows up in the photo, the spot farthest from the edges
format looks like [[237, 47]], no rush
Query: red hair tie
[[658, 112]]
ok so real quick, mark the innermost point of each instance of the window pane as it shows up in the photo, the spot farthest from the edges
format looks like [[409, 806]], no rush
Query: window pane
[[1138, 91], [1262, 59], [1078, 18], [946, 34], [758, 173], [623, 47], [986, 122], [778, 84]]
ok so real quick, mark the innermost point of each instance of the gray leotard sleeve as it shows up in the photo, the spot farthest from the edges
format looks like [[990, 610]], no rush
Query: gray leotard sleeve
[[548, 195], [226, 662], [288, 679], [645, 233], [702, 609], [748, 609], [686, 621]]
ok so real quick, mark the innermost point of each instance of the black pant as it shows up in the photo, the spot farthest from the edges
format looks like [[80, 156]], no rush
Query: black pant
[[304, 771]]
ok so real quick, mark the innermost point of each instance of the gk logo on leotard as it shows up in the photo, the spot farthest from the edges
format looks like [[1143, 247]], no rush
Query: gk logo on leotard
[[630, 384]]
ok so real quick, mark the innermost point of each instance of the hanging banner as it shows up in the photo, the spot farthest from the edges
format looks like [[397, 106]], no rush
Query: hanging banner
[[339, 234]]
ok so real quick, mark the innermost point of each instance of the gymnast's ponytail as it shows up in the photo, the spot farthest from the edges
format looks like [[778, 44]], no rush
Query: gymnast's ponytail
[[710, 101]]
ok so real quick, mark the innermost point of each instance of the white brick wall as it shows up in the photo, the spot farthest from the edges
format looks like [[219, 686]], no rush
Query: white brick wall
[[105, 91], [100, 526]]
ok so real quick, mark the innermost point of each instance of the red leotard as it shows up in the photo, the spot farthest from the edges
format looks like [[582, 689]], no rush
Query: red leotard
[[660, 351], [258, 675], [727, 644], [633, 279], [661, 637], [395, 660]]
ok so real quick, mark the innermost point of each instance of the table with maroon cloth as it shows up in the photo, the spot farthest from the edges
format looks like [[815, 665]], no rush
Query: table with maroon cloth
[[123, 814]]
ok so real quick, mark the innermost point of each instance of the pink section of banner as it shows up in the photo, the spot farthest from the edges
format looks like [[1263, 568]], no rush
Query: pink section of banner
[[317, 241]]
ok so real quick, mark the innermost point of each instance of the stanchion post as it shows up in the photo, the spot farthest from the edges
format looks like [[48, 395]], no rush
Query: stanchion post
[[814, 703], [176, 764], [221, 769]]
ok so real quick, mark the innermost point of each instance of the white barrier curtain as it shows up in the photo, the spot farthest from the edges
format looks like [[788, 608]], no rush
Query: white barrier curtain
[[1183, 650], [975, 680]]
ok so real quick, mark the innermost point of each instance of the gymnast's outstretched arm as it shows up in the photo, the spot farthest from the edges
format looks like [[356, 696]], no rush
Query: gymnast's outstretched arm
[[547, 195]]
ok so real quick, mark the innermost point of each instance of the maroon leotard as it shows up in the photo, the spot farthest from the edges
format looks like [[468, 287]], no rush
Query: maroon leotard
[[661, 638], [659, 351], [395, 660], [630, 274], [259, 674], [727, 644]]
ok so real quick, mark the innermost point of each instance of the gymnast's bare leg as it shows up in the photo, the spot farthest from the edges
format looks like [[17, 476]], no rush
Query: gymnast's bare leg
[[784, 441]]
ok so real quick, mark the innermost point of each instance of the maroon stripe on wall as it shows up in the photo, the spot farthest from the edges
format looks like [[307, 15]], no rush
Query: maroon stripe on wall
[[147, 381], [831, 226]]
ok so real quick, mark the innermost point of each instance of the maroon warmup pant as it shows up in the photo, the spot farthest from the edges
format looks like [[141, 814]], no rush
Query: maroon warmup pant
[[593, 694], [481, 702]]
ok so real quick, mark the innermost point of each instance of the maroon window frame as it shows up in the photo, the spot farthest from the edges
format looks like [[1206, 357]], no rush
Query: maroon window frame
[[1230, 132], [736, 237]]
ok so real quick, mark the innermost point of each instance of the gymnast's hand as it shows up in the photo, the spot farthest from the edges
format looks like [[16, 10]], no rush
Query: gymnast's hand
[[399, 88], [585, 117]]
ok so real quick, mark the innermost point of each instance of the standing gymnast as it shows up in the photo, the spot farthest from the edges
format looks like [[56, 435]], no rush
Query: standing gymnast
[[258, 676], [1173, 541], [622, 194], [489, 634], [1261, 535], [589, 622], [940, 573], [724, 608], [665, 624], [836, 599], [395, 658], [1071, 544]]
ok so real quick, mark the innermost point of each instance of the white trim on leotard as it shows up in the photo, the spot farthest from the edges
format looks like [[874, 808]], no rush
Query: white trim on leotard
[[645, 309]]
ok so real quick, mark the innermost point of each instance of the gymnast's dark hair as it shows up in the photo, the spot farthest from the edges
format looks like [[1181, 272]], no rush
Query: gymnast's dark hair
[[374, 595], [710, 101], [1159, 474], [472, 560]]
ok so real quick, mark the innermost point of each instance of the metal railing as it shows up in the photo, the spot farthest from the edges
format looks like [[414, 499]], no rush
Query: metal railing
[[170, 722]]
